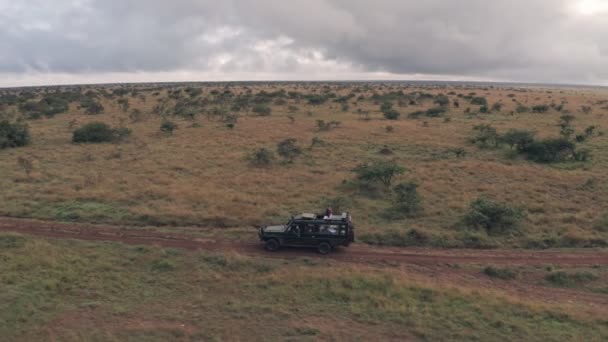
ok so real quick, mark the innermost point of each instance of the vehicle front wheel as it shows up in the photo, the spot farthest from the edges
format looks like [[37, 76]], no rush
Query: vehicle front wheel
[[324, 248], [272, 245]]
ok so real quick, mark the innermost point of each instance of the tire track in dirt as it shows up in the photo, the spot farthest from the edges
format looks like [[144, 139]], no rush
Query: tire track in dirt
[[356, 253]]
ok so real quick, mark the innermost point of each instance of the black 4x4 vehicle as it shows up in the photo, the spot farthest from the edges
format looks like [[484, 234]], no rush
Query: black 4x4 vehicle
[[310, 230]]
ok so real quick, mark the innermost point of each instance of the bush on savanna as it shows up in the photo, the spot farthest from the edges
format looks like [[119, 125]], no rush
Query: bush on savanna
[[91, 106], [565, 279], [442, 100], [500, 273], [435, 112], [540, 108], [261, 157], [99, 132], [520, 139], [378, 171], [493, 217], [13, 134], [388, 111], [416, 114], [565, 126], [168, 126], [288, 149], [522, 109], [391, 115], [406, 198], [261, 110], [485, 136], [48, 106], [479, 101], [552, 150]]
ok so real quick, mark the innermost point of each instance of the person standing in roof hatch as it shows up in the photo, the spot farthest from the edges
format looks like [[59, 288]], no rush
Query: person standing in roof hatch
[[328, 212]]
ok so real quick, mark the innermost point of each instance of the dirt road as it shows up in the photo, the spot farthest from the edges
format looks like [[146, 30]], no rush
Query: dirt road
[[356, 253]]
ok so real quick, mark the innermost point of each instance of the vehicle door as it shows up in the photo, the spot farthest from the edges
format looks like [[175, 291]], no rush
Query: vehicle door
[[310, 234], [294, 234]]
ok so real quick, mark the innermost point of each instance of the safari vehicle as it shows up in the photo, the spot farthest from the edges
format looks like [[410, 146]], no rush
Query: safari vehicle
[[309, 230]]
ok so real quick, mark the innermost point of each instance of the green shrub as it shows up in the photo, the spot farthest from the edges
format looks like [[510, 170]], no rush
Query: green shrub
[[519, 139], [522, 109], [540, 109], [49, 106], [91, 106], [13, 134], [406, 198], [261, 110], [550, 150], [378, 171], [500, 273], [288, 149], [564, 279], [168, 126], [99, 132], [392, 115], [416, 114], [479, 101], [485, 136], [262, 157], [435, 112], [493, 217], [442, 100]]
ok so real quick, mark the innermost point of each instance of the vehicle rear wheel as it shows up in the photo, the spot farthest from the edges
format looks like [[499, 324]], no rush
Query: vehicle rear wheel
[[272, 245], [324, 248]]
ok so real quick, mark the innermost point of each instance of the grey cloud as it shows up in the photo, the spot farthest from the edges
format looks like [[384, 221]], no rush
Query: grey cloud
[[520, 40]]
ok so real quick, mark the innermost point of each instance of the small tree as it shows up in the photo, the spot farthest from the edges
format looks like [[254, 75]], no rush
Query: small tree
[[13, 134], [442, 100], [261, 110], [565, 126], [520, 139], [493, 217], [406, 197], [550, 150], [540, 109], [288, 149], [392, 115], [168, 126], [262, 157], [378, 171], [485, 136], [479, 101], [99, 132]]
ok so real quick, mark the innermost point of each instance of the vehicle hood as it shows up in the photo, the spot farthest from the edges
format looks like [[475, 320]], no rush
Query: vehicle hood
[[275, 229]]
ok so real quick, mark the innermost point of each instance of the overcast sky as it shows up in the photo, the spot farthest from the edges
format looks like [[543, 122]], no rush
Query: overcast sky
[[98, 41]]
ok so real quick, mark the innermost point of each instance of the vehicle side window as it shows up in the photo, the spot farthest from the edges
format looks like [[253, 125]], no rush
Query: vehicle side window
[[310, 228], [329, 229]]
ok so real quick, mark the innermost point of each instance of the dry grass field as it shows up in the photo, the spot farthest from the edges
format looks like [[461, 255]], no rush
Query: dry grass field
[[202, 174], [68, 290]]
